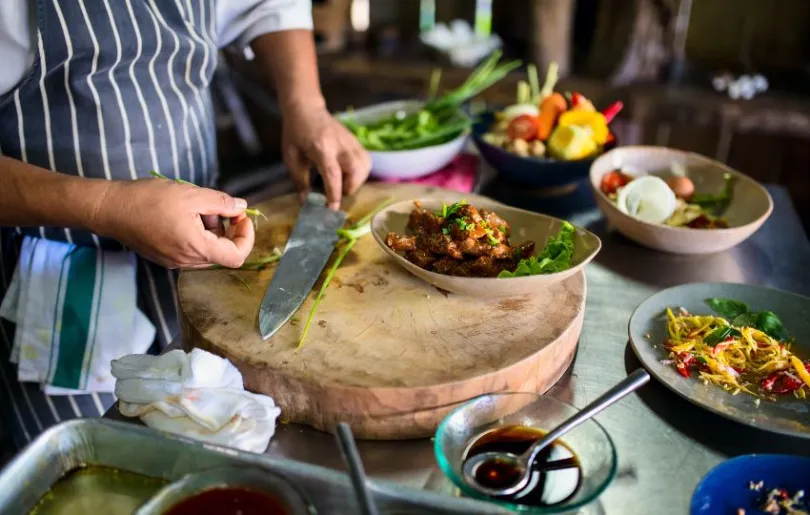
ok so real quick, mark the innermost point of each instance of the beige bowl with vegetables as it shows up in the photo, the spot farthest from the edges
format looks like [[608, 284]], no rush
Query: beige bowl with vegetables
[[482, 248], [678, 202]]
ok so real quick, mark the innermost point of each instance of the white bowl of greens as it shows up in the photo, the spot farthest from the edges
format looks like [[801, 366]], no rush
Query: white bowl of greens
[[406, 163], [412, 138]]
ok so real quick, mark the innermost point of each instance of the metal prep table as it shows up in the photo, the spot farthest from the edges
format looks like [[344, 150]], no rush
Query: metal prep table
[[664, 443]]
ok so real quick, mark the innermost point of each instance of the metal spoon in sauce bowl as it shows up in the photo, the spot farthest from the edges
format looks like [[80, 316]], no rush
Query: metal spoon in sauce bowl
[[521, 464]]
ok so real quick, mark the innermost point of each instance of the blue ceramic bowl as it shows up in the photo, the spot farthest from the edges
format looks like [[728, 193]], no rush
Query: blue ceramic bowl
[[532, 172], [726, 487]]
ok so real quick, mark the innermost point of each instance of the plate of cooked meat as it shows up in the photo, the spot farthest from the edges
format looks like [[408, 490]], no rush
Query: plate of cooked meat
[[482, 249]]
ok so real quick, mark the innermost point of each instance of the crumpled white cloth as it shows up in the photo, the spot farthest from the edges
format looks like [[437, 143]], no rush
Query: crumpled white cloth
[[198, 395]]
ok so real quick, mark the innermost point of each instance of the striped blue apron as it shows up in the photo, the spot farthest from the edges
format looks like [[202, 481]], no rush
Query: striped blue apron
[[118, 88]]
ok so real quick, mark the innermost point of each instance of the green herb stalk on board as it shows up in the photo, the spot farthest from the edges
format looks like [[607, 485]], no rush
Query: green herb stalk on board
[[349, 237], [556, 256]]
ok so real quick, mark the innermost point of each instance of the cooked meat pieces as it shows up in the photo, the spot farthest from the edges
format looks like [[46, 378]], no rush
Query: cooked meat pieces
[[467, 242], [494, 234], [422, 220], [523, 251], [400, 243], [421, 258], [469, 213], [438, 243], [473, 247], [483, 266], [495, 221], [461, 229]]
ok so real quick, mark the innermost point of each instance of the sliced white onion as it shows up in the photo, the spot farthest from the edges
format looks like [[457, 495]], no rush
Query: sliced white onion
[[648, 199], [516, 110]]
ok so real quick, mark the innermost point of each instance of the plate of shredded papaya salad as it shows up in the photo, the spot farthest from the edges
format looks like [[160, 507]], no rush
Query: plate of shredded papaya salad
[[741, 351]]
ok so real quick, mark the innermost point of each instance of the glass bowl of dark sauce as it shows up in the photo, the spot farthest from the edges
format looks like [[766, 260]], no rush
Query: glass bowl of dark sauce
[[565, 477]]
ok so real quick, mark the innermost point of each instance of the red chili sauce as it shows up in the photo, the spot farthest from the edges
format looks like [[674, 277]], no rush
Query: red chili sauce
[[229, 501]]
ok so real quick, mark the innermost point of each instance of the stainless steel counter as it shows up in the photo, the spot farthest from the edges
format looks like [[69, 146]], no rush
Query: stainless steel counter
[[664, 443]]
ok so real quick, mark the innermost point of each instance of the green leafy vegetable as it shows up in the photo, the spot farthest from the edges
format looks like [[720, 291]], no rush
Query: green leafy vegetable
[[728, 308], [556, 256], [745, 320], [740, 315], [716, 203], [769, 323], [720, 334], [439, 121]]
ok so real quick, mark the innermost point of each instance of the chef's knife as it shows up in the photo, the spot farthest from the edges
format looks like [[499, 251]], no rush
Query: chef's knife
[[311, 243]]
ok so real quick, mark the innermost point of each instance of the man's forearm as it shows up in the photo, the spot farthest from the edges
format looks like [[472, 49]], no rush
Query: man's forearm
[[291, 60], [32, 196]]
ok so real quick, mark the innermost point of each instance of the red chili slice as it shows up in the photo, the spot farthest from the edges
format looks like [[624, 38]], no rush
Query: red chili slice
[[780, 383]]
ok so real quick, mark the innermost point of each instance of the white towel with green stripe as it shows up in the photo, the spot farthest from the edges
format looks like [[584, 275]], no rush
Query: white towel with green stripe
[[75, 310]]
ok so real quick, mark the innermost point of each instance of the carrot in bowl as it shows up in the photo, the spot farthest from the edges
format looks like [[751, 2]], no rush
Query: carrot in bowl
[[550, 109]]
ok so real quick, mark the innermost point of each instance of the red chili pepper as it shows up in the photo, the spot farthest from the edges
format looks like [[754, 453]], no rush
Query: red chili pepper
[[576, 98], [686, 358], [780, 383], [683, 370], [720, 347], [767, 383], [612, 110]]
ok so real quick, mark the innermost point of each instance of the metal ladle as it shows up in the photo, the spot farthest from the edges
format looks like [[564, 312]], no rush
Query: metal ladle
[[523, 462]]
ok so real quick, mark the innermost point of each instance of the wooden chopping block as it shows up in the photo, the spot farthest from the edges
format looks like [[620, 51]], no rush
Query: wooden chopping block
[[386, 352]]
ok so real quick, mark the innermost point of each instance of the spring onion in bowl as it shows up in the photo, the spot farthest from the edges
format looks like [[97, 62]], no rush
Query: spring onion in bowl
[[440, 120]]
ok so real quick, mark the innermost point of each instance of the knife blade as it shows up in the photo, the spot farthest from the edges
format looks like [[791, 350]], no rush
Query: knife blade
[[306, 254]]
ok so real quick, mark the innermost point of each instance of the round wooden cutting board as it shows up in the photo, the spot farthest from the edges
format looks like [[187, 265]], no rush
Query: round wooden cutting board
[[386, 352]]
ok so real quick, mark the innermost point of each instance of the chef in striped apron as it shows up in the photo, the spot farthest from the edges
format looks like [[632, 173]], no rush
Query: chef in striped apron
[[102, 92]]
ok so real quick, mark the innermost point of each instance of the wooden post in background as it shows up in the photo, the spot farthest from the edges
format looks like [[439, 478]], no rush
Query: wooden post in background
[[650, 48], [552, 34]]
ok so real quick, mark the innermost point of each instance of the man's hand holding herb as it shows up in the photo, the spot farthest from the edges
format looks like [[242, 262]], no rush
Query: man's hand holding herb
[[175, 225]]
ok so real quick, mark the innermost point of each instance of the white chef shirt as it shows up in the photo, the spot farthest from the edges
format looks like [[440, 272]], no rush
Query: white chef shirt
[[237, 21]]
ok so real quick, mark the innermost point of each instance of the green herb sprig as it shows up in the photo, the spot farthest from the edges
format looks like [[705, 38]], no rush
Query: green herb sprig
[[448, 212], [349, 236]]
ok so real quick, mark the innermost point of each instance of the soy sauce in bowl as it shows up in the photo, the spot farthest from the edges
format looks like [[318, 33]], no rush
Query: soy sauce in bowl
[[556, 474], [229, 501]]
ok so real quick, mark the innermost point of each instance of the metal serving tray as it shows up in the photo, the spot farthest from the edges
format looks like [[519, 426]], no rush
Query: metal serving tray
[[133, 448]]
